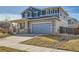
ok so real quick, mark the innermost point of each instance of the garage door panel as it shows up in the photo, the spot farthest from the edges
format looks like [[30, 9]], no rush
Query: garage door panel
[[41, 28]]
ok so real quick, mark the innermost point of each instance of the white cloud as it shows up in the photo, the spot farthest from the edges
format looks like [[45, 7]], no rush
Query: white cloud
[[5, 16]]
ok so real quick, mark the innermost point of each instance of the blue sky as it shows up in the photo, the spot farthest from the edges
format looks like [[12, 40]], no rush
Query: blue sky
[[13, 12]]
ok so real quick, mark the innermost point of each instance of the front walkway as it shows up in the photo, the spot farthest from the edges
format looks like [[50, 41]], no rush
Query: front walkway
[[13, 42]]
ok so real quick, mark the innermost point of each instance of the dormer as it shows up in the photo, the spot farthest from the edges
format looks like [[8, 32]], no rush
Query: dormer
[[30, 12]]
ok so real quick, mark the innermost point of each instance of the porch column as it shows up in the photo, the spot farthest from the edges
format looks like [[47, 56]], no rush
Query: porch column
[[26, 26], [54, 26]]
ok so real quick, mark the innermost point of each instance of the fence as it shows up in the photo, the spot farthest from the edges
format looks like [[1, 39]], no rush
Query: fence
[[69, 30]]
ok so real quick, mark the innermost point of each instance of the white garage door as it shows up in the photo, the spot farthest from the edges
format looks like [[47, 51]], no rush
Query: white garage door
[[44, 28]]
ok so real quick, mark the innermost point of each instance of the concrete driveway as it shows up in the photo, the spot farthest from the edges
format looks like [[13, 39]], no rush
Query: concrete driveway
[[17, 38], [13, 42]]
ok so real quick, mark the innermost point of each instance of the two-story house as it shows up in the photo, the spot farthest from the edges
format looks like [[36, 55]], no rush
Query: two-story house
[[53, 20], [45, 21]]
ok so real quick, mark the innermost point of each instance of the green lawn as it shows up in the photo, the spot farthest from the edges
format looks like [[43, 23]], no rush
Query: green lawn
[[51, 41], [7, 49]]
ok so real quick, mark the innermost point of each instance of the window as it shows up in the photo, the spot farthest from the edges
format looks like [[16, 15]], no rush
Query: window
[[38, 13], [60, 14], [33, 14], [65, 17], [55, 15], [70, 22], [28, 14], [53, 11], [56, 11], [23, 15], [48, 11], [43, 12]]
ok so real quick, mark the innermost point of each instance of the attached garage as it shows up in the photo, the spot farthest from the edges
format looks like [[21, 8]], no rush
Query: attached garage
[[42, 28]]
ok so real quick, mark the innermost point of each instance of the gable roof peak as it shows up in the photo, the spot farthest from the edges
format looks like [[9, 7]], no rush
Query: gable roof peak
[[32, 7]]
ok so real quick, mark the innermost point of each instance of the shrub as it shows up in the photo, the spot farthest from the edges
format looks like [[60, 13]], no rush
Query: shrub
[[2, 35]]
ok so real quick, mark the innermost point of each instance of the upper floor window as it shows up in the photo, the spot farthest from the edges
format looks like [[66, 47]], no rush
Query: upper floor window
[[28, 14], [60, 14], [34, 14], [38, 13], [70, 22], [55, 15], [23, 15], [49, 11], [64, 16], [53, 11], [57, 10], [43, 12]]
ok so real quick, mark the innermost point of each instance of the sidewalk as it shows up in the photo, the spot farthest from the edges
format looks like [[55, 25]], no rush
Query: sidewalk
[[31, 48]]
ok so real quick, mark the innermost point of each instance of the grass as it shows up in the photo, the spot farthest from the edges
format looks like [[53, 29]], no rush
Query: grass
[[72, 45], [3, 35], [7, 49], [44, 41], [51, 41]]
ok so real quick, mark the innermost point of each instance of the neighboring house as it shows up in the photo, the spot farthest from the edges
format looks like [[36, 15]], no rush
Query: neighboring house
[[72, 22], [4, 26]]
